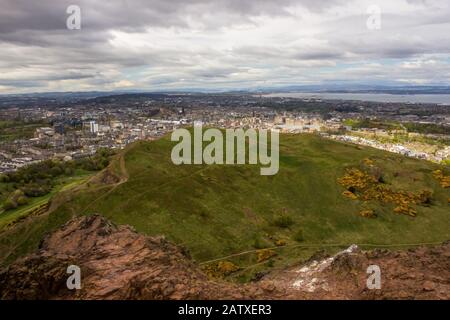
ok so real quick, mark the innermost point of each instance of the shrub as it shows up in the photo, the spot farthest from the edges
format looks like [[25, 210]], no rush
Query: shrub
[[368, 214], [17, 198], [220, 269], [227, 267], [9, 204], [264, 254], [259, 243], [22, 200], [298, 236], [424, 197], [36, 190], [283, 221]]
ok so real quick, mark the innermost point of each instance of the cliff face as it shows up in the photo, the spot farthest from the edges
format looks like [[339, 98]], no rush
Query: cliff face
[[115, 263], [118, 263]]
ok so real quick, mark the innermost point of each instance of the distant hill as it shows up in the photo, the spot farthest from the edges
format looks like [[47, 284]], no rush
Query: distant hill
[[219, 210]]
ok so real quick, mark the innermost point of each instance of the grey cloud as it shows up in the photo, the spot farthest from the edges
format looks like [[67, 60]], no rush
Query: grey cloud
[[134, 15], [37, 49]]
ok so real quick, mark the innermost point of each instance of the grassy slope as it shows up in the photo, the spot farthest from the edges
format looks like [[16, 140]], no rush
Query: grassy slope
[[11, 130], [25, 236], [219, 210], [61, 184]]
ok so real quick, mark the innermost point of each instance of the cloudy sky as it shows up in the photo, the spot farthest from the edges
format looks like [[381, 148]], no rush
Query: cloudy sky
[[221, 44]]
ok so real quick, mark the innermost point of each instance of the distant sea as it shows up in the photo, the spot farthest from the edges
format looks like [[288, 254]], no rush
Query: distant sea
[[374, 97]]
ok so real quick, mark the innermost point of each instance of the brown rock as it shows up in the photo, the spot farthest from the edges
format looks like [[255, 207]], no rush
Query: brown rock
[[118, 263], [429, 286]]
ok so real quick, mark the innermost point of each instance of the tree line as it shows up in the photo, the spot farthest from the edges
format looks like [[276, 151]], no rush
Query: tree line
[[38, 179]]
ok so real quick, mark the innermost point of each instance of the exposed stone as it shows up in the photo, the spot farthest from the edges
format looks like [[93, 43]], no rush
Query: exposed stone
[[429, 286], [118, 263]]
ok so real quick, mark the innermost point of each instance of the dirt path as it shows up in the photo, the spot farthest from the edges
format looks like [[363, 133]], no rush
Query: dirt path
[[123, 177], [321, 246]]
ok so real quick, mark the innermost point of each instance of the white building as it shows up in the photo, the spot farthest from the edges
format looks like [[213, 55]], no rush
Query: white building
[[93, 127]]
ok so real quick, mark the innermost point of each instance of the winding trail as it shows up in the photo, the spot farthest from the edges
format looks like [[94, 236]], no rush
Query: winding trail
[[332, 245], [123, 177]]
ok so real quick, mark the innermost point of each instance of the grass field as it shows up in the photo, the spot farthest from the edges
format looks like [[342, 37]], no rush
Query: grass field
[[218, 210], [24, 234], [61, 184], [11, 130]]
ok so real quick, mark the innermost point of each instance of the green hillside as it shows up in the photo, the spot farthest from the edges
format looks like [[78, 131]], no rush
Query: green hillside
[[219, 210]]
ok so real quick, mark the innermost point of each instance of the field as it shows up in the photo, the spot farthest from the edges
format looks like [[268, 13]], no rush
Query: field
[[11, 130], [18, 226], [61, 184], [220, 210]]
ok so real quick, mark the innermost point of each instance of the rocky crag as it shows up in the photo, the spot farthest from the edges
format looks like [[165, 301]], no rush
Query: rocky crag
[[118, 263]]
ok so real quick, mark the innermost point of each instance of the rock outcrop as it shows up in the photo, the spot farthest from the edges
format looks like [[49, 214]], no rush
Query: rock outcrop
[[118, 263]]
